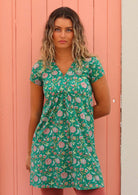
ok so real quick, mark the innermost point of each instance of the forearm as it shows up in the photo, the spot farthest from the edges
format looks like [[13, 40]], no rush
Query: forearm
[[32, 126], [100, 111]]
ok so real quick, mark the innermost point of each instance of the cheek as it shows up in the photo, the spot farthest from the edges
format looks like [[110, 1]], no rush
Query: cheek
[[71, 37], [54, 36]]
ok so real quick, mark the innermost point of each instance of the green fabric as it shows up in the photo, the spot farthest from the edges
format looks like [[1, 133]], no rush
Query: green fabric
[[63, 151]]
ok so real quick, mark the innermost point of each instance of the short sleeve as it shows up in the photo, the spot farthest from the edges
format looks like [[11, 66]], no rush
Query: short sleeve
[[36, 73], [96, 70]]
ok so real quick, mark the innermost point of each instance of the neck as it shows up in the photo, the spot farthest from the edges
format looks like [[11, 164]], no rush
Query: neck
[[64, 54]]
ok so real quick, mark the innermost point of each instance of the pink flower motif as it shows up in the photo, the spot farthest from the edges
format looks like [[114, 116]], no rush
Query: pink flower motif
[[48, 161], [45, 119], [78, 100], [42, 147], [59, 113], [34, 148], [83, 84], [83, 161], [81, 169], [74, 161], [78, 178], [56, 99], [72, 129], [73, 175], [61, 144], [97, 177], [70, 73], [90, 133], [79, 72], [90, 149], [88, 59], [91, 103], [35, 178], [44, 75], [64, 175], [82, 115], [36, 65], [32, 164], [57, 160], [69, 98], [46, 131], [54, 72], [89, 176], [50, 103], [55, 129], [43, 178], [38, 82], [88, 118]]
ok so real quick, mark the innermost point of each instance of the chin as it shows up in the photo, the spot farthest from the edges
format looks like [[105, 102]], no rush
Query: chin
[[63, 46]]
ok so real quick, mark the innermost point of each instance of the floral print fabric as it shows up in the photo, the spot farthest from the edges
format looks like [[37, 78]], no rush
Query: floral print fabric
[[63, 151]]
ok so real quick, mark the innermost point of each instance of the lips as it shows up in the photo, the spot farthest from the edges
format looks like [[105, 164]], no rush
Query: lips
[[62, 41]]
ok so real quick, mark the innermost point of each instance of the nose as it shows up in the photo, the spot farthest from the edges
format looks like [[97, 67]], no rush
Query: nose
[[62, 33]]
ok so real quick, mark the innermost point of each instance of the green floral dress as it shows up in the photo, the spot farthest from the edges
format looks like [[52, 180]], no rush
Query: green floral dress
[[63, 151]]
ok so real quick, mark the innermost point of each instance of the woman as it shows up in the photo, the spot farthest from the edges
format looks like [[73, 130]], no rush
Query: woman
[[61, 146]]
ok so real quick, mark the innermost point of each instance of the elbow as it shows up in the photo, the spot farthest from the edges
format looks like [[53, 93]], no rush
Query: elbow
[[105, 108], [101, 110], [107, 112]]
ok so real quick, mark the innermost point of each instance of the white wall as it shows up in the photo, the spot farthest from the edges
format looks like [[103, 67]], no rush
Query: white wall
[[129, 138]]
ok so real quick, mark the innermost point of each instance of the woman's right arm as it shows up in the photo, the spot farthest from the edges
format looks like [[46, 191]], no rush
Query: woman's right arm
[[37, 99]]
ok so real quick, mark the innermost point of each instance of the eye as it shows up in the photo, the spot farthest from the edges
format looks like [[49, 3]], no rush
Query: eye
[[69, 30], [57, 29]]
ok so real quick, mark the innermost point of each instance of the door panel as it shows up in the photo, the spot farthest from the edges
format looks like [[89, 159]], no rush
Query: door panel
[[22, 26]]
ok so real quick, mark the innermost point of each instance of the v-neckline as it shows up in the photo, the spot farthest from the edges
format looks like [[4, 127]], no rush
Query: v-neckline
[[63, 75]]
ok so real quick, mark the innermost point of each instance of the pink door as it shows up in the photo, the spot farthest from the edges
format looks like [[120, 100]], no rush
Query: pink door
[[22, 25]]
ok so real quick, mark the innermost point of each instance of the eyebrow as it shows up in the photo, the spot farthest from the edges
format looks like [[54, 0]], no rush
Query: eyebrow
[[66, 27]]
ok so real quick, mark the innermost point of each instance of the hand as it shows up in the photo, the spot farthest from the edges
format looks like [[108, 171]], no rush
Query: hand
[[28, 162]]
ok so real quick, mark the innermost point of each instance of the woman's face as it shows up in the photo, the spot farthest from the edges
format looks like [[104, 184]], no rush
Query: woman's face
[[63, 33]]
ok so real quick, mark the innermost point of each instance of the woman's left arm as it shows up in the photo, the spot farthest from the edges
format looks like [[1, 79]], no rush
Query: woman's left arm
[[102, 98]]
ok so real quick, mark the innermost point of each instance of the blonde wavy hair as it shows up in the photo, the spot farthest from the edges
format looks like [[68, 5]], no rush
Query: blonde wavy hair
[[79, 49]]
